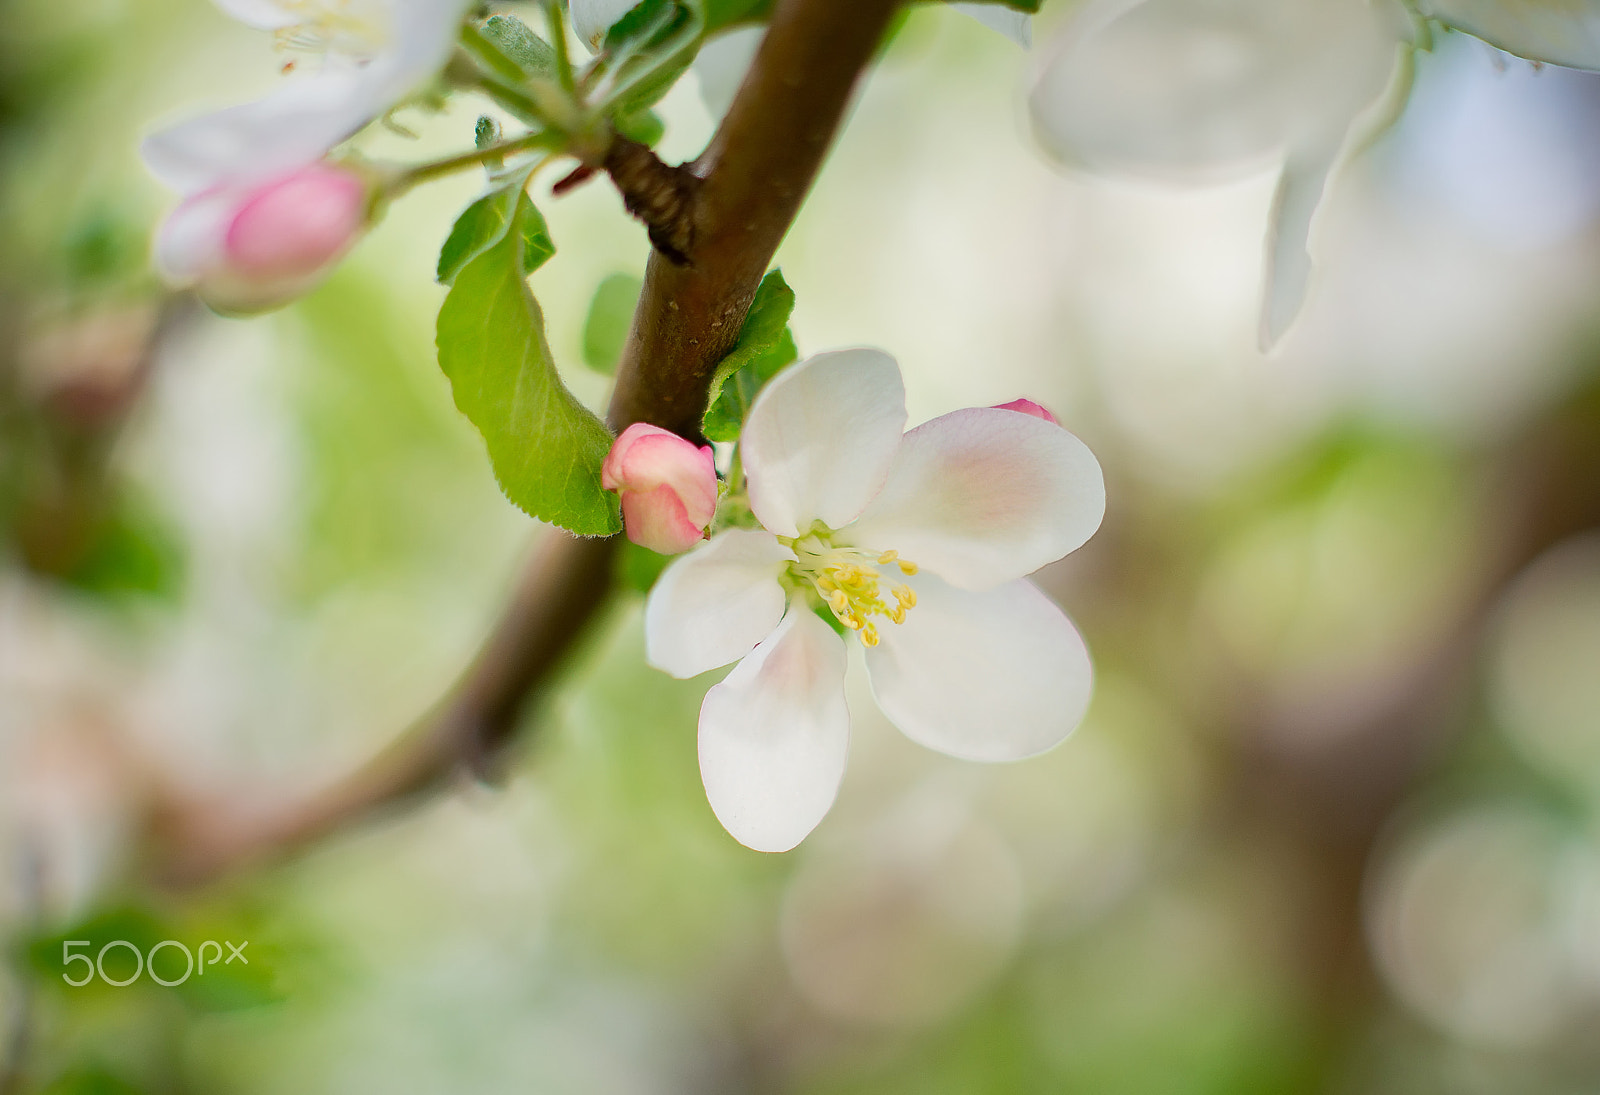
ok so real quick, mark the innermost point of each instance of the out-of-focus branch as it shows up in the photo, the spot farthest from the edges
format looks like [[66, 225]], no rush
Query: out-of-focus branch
[[751, 181]]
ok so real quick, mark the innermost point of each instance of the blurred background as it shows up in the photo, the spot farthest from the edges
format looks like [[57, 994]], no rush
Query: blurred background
[[1330, 825]]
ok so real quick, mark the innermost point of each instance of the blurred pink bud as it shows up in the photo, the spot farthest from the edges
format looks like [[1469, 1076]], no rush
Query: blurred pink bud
[[668, 487], [1028, 406], [253, 247]]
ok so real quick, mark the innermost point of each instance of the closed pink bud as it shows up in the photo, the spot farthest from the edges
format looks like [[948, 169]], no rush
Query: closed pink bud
[[247, 248], [668, 487], [1028, 406]]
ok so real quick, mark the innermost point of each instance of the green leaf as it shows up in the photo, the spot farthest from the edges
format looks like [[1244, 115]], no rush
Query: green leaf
[[483, 224], [646, 127], [545, 446], [610, 315], [650, 47], [765, 346], [637, 568], [725, 13], [513, 38]]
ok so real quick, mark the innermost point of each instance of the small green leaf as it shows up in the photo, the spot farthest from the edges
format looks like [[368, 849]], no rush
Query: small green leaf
[[650, 47], [637, 568], [646, 127], [545, 446], [725, 13], [483, 224], [610, 315], [513, 38], [765, 346]]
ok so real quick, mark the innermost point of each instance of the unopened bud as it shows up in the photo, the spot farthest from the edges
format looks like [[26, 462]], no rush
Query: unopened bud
[[253, 247], [667, 485], [1028, 406]]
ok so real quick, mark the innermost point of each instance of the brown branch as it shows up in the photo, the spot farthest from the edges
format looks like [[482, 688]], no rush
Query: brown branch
[[751, 181]]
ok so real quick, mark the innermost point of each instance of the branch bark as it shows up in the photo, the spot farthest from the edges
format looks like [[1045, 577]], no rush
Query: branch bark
[[748, 188]]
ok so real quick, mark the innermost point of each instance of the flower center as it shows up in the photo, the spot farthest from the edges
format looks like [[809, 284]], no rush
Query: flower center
[[353, 28], [851, 581]]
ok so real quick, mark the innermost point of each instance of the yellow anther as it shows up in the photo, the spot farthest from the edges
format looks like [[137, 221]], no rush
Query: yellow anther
[[888, 557], [906, 596], [908, 569], [869, 635], [898, 613], [838, 602], [852, 621]]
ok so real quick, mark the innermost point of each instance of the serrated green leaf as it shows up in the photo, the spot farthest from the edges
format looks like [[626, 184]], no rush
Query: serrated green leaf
[[545, 446], [484, 223], [765, 346], [605, 331], [513, 38]]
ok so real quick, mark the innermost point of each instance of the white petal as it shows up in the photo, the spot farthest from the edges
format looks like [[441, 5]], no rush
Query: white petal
[[592, 18], [1562, 32], [425, 33], [190, 241], [775, 733], [819, 441], [721, 65], [990, 676], [1288, 254], [715, 603], [265, 14], [985, 495], [295, 125], [1199, 90], [1015, 25]]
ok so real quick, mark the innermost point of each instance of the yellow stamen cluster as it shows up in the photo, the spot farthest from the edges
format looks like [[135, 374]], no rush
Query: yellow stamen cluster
[[850, 583]]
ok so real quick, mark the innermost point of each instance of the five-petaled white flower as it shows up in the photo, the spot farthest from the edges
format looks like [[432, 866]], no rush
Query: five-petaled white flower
[[373, 53], [917, 542]]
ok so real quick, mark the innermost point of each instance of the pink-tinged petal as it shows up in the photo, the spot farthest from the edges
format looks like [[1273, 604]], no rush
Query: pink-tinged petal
[[1028, 406], [295, 225], [668, 487], [821, 437], [656, 520], [990, 676], [983, 496], [774, 735], [713, 605]]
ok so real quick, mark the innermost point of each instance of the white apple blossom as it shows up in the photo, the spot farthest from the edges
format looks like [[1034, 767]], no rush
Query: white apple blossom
[[917, 542], [373, 54], [1204, 90]]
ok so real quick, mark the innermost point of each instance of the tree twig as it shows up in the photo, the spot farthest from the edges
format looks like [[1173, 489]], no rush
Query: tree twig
[[752, 179]]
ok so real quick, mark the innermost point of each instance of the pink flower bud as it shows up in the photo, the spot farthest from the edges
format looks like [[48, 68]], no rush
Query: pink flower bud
[[1028, 406], [668, 487], [252, 247]]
